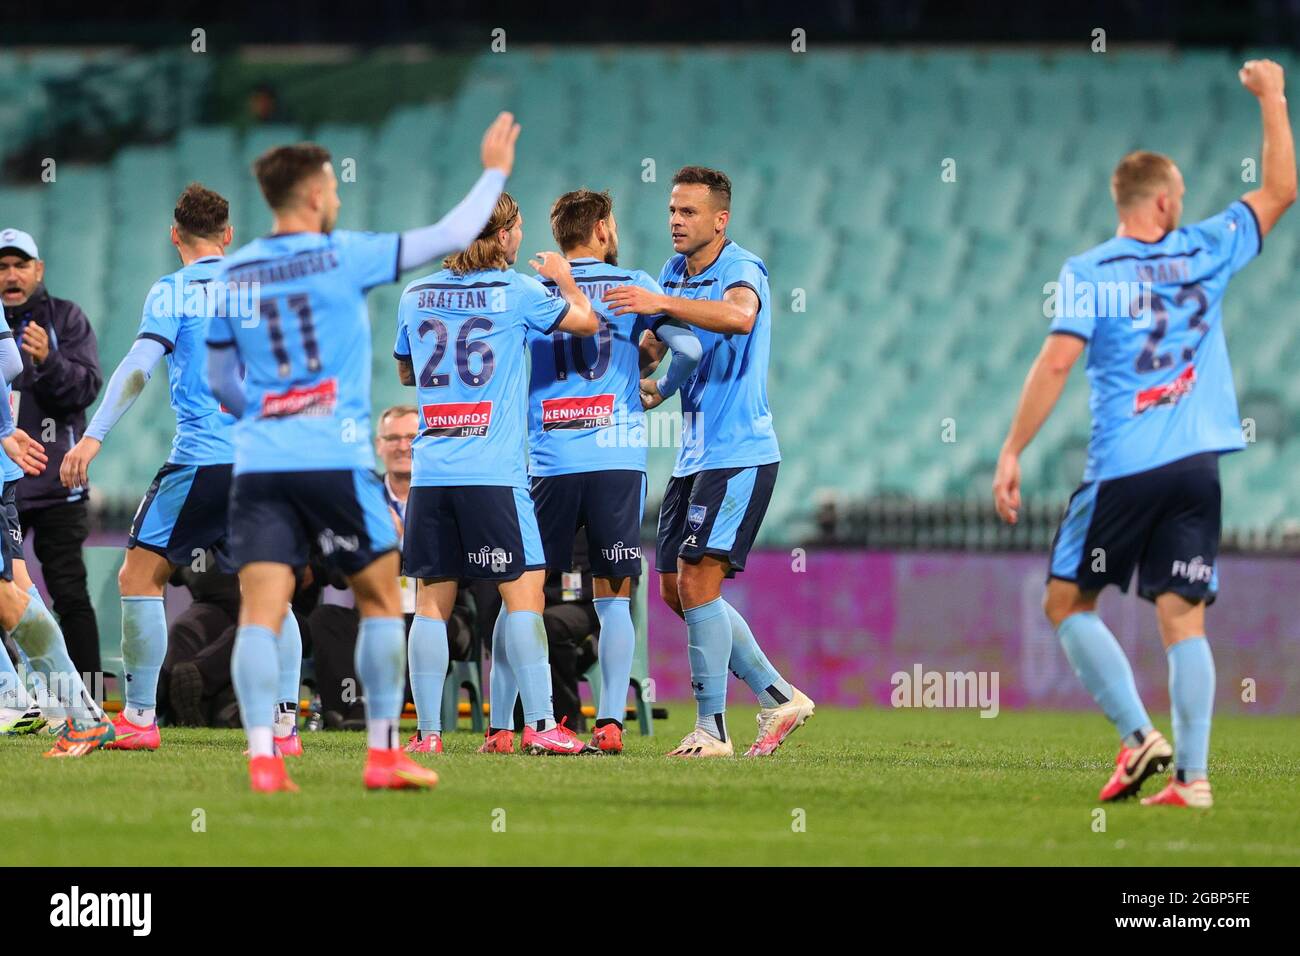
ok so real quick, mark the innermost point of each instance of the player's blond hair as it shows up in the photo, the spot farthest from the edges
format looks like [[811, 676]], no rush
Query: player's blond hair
[[1140, 175], [486, 252]]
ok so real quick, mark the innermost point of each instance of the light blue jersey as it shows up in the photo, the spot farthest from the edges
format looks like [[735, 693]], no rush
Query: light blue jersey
[[1151, 313], [726, 421], [306, 350], [584, 407], [467, 339], [176, 315], [9, 469]]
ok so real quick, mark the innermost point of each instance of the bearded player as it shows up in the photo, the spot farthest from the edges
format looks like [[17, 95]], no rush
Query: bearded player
[[587, 449], [462, 337]]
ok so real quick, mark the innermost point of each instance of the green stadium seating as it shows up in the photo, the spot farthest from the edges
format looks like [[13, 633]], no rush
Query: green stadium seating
[[922, 298]]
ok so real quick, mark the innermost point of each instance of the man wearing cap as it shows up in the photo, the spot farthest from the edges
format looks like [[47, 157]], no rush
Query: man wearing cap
[[61, 378]]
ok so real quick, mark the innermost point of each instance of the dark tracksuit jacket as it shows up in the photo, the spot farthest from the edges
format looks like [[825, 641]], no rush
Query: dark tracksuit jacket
[[59, 390]]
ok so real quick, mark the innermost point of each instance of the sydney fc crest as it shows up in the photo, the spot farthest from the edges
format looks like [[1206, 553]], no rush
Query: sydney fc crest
[[695, 516]]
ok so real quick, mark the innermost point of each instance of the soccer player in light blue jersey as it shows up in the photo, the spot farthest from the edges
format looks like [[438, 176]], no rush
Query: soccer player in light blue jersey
[[462, 336], [303, 462], [587, 448], [727, 463], [1147, 306], [23, 613], [182, 518]]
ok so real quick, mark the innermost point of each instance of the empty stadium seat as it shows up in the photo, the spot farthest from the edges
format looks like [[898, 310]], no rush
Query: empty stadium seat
[[922, 294]]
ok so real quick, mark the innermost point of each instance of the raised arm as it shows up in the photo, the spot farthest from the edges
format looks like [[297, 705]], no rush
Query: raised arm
[[1277, 183], [461, 226], [124, 387], [1043, 387]]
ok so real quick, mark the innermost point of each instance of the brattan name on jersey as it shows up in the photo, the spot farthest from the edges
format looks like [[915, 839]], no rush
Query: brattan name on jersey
[[466, 337], [177, 313], [1151, 313], [306, 350], [583, 386], [726, 421]]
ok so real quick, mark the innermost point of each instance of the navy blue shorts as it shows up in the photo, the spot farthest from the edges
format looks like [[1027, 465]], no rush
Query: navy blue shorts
[[278, 515], [714, 512], [11, 549], [1165, 522], [183, 514], [470, 531], [609, 504]]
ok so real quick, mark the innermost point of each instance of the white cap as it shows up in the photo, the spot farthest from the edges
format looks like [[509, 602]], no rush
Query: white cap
[[17, 239]]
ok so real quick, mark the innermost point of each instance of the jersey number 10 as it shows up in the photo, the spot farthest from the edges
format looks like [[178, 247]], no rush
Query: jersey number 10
[[574, 346]]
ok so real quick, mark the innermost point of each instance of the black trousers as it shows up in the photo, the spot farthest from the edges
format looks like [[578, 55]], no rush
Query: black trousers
[[204, 635], [334, 646], [58, 535]]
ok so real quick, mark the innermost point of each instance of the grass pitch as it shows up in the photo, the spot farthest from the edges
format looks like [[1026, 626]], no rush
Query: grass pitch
[[903, 787]]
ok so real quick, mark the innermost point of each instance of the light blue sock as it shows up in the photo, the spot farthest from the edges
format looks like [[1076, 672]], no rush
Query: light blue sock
[[381, 665], [41, 640], [255, 671], [617, 644], [529, 659], [750, 664], [288, 684], [503, 689], [1100, 664], [708, 640], [35, 683], [12, 692], [144, 646], [1191, 694], [428, 654], [289, 659]]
